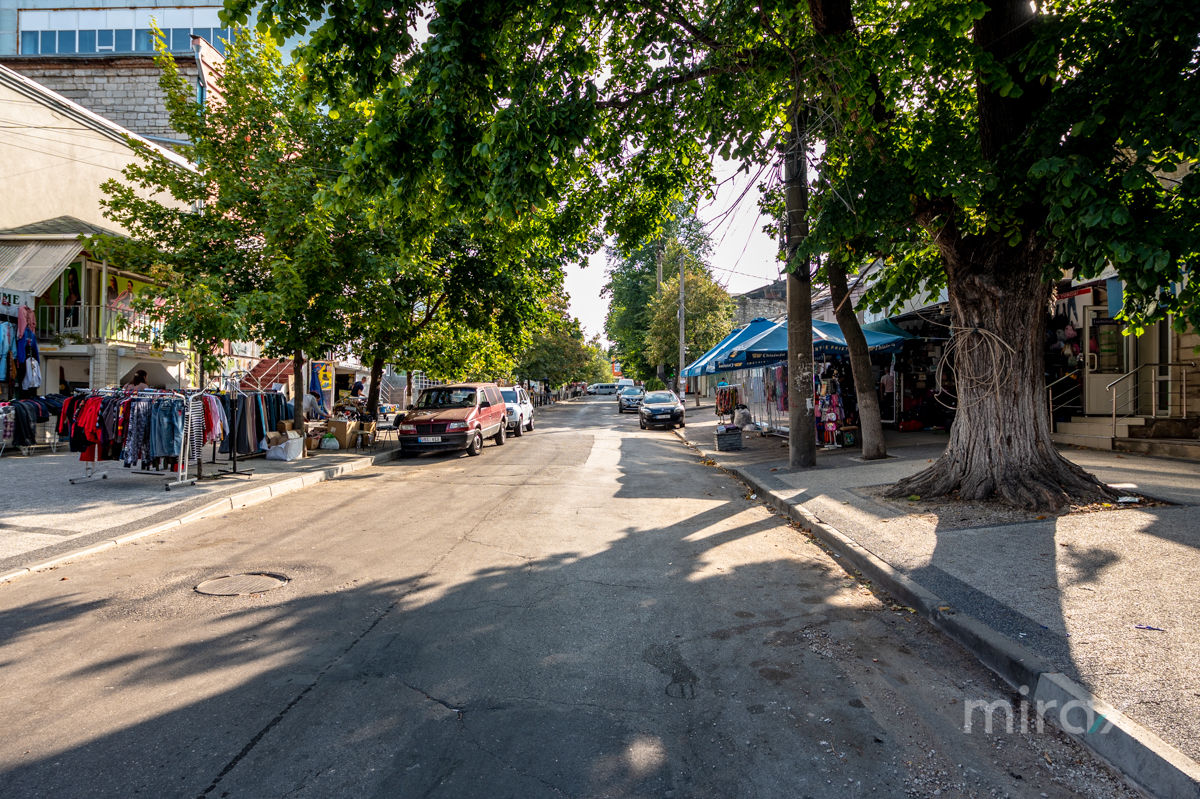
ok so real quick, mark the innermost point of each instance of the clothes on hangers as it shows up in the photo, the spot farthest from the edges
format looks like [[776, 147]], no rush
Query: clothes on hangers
[[8, 348], [26, 320]]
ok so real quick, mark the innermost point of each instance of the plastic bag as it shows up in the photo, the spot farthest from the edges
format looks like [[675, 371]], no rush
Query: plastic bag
[[289, 450], [329, 441]]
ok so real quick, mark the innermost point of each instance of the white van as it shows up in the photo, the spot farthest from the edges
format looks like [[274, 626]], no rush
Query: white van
[[623, 383]]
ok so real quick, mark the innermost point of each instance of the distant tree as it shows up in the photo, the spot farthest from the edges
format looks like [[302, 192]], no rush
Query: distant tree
[[558, 351], [708, 311], [632, 284]]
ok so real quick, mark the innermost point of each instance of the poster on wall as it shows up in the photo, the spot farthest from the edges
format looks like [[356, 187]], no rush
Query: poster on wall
[[322, 381]]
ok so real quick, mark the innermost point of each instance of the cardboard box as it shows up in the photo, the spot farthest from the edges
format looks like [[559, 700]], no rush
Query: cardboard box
[[346, 433], [285, 425], [274, 439]]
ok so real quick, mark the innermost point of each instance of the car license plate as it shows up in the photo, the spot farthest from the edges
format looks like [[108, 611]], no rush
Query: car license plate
[[661, 415], [429, 439]]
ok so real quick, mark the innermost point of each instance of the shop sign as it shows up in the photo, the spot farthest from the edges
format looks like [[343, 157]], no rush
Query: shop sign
[[10, 300]]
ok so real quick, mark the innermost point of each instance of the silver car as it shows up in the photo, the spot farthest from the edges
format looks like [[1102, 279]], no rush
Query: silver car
[[630, 399]]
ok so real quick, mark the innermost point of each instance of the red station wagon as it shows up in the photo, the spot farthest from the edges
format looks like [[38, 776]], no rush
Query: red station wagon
[[459, 416]]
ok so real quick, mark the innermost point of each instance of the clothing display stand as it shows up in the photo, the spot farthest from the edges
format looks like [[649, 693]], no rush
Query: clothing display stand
[[181, 467], [91, 470], [233, 420]]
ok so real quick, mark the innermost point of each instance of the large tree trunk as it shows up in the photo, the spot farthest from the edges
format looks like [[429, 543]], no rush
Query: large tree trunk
[[298, 392], [373, 391], [869, 423], [1000, 440], [802, 434]]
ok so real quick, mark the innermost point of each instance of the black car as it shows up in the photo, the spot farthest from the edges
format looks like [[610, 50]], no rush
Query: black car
[[661, 408]]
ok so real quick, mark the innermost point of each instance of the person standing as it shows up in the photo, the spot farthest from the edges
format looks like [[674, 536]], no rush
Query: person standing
[[137, 382], [359, 390]]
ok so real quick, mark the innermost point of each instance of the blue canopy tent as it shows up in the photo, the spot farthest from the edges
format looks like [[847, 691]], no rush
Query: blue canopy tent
[[770, 346], [706, 363], [828, 340]]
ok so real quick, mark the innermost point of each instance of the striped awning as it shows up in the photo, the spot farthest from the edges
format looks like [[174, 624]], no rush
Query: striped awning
[[31, 266]]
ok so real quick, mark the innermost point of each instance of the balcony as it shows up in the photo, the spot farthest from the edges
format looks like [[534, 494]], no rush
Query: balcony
[[97, 323]]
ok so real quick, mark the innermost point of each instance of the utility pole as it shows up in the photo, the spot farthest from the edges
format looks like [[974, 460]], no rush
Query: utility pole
[[679, 379], [662, 246], [802, 437]]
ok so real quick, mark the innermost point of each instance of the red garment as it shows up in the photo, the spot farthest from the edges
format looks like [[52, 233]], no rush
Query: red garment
[[89, 421]]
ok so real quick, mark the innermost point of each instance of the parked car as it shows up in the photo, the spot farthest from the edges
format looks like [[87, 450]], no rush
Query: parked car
[[661, 408], [451, 417], [629, 398], [520, 409]]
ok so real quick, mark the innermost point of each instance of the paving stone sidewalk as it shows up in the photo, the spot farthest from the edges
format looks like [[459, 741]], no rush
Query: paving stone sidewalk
[[43, 516], [1078, 590]]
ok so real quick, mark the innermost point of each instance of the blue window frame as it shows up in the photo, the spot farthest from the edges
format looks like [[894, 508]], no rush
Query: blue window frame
[[29, 42], [181, 39], [49, 42], [66, 41], [144, 42], [87, 41], [123, 41]]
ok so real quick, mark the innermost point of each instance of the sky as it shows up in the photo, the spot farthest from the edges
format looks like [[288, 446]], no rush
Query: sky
[[743, 256]]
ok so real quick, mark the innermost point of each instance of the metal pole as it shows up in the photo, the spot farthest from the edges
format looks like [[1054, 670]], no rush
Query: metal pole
[[680, 384]]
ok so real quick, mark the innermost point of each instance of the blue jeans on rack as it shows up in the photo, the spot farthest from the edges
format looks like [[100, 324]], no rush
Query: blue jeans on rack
[[166, 429]]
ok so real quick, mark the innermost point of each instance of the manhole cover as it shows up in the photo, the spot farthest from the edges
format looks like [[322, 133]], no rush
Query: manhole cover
[[241, 584]]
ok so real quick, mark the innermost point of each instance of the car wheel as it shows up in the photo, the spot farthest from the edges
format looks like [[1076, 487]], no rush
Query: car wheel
[[519, 430], [682, 423], [642, 423], [529, 427], [475, 445], [501, 434]]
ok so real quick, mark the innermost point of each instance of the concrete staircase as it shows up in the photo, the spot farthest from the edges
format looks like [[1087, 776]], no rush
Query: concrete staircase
[[266, 373], [1173, 438]]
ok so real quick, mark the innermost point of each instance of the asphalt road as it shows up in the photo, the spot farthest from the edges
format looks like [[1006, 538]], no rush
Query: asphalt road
[[587, 611]]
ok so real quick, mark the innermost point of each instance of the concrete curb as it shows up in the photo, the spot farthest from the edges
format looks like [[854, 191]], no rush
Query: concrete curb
[[242, 499], [1142, 757]]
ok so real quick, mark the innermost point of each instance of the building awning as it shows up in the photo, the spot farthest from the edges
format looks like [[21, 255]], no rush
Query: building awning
[[770, 345], [32, 266], [705, 363]]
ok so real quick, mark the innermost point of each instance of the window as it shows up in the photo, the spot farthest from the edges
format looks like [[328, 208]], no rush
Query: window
[[66, 41], [145, 41], [180, 39], [87, 41], [49, 42], [29, 42], [104, 41], [123, 41]]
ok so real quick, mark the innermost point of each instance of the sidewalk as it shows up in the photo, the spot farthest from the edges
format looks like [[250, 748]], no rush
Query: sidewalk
[[44, 517], [1033, 596]]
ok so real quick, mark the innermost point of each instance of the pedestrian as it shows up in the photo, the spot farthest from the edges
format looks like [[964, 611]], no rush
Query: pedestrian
[[137, 382], [546, 394], [358, 389], [312, 406]]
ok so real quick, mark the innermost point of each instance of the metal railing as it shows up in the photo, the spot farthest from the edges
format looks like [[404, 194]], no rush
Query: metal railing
[[1070, 395], [97, 323], [1131, 394]]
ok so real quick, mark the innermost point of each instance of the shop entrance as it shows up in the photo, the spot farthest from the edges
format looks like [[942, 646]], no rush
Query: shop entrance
[[1107, 359]]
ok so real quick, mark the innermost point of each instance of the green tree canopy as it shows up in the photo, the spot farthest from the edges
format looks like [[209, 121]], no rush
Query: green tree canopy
[[708, 308]]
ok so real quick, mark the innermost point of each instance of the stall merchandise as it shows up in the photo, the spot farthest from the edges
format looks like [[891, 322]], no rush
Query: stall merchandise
[[253, 415]]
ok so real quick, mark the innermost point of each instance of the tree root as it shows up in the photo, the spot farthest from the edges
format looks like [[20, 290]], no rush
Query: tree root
[[1046, 486]]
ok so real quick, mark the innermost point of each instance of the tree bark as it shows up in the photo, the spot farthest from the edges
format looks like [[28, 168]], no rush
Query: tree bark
[[298, 392], [802, 436], [1000, 440], [869, 424], [373, 391]]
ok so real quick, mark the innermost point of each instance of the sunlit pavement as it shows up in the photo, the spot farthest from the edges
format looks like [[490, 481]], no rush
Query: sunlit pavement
[[584, 611]]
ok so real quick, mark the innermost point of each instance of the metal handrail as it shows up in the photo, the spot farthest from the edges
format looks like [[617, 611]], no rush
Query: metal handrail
[[1153, 387], [1050, 394]]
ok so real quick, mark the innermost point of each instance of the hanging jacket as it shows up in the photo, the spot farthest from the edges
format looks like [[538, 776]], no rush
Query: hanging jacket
[[25, 320], [33, 374], [8, 345]]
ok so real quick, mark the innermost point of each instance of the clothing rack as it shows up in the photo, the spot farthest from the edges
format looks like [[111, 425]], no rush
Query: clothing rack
[[91, 470], [236, 383]]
